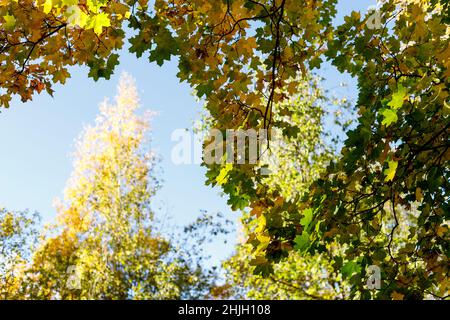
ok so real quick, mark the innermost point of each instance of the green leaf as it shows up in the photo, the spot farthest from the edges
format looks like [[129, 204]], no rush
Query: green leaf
[[390, 116], [100, 69], [204, 89], [398, 97], [307, 218], [350, 268], [10, 21], [302, 242]]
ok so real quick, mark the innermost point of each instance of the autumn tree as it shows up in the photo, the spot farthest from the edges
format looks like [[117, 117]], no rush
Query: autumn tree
[[18, 235], [104, 245]]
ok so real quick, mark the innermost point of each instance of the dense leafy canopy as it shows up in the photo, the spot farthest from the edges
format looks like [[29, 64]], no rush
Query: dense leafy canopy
[[297, 161], [397, 157], [247, 57]]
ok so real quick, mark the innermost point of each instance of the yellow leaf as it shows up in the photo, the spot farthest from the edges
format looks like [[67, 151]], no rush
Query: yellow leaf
[[48, 5], [223, 175], [263, 243], [98, 22], [261, 224], [390, 172]]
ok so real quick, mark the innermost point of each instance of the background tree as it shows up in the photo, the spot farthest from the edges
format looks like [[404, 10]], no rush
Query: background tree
[[18, 235], [104, 245]]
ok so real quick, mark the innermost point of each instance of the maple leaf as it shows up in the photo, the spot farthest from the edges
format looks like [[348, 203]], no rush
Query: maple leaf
[[10, 21], [302, 242], [398, 97], [390, 116], [222, 177], [98, 21], [76, 17], [48, 5], [390, 172]]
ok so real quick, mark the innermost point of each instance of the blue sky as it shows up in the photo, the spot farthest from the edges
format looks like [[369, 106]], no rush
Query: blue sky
[[37, 137]]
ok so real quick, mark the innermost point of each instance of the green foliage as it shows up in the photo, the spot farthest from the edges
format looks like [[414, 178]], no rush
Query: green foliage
[[398, 163], [298, 159]]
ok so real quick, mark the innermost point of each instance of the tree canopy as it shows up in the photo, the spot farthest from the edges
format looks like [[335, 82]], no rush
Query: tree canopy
[[383, 199]]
